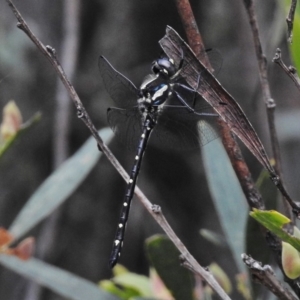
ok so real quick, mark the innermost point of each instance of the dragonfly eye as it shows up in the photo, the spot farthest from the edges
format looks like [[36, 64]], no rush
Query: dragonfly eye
[[155, 67], [164, 66]]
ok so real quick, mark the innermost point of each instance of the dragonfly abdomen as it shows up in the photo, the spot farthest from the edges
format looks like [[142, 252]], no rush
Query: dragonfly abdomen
[[119, 237]]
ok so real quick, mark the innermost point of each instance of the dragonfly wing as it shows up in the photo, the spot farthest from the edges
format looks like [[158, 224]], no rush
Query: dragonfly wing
[[179, 129], [126, 124], [191, 97], [207, 130], [170, 134], [216, 60], [121, 89]]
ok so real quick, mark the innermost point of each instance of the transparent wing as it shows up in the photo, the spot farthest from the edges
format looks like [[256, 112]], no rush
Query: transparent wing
[[179, 129], [216, 60], [121, 89], [126, 124], [176, 128], [192, 98]]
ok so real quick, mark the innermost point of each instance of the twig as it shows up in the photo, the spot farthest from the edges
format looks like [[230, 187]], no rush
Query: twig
[[266, 276], [252, 194], [290, 20], [232, 148], [50, 53], [270, 105], [253, 197], [191, 29], [269, 102], [185, 255], [290, 71], [222, 102]]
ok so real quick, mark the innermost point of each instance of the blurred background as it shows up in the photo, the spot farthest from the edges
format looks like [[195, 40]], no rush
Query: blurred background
[[79, 235]]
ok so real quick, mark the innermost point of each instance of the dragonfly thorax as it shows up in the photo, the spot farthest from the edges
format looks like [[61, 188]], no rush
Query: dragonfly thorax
[[153, 92]]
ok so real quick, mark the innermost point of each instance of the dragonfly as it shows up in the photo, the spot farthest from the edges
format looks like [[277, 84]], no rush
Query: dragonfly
[[164, 107]]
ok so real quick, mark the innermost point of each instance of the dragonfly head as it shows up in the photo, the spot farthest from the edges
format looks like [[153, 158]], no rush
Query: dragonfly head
[[164, 67]]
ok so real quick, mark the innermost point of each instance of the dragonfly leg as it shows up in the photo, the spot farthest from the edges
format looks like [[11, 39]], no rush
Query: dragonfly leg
[[190, 109], [194, 91]]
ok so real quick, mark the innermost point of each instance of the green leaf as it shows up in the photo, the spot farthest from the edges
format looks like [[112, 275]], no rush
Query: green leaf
[[213, 237], [275, 222], [143, 298], [123, 293], [228, 197], [126, 284], [164, 257], [58, 186], [221, 277], [136, 282], [62, 282]]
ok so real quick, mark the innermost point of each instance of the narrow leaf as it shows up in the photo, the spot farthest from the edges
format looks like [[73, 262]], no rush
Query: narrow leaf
[[275, 222], [58, 186], [228, 197], [62, 282], [137, 282]]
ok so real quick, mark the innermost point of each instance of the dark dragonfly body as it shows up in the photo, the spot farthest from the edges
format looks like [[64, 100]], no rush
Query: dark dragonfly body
[[140, 111]]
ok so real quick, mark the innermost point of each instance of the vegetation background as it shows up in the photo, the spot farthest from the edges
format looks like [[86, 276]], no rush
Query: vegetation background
[[127, 33]]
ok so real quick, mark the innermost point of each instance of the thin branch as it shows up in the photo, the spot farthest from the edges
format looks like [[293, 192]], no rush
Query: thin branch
[[223, 103], [290, 20], [232, 148], [265, 276], [290, 71], [269, 102], [252, 194], [270, 106], [50, 53], [254, 199], [191, 29], [185, 255]]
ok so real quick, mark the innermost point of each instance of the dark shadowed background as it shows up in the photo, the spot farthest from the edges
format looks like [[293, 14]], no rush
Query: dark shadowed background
[[127, 33]]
